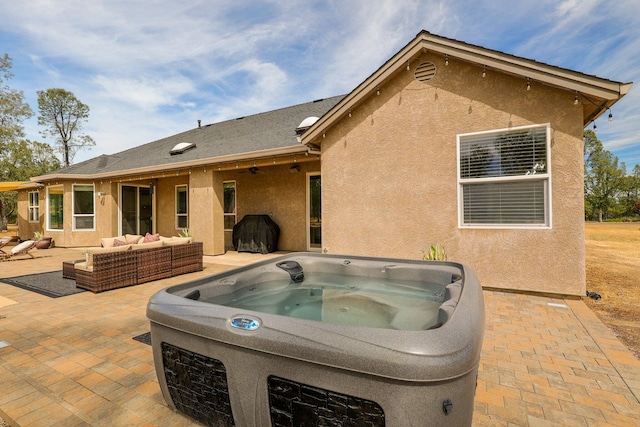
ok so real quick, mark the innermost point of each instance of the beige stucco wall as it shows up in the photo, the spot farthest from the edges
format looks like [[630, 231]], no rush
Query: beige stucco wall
[[277, 192], [389, 177], [26, 228], [205, 210], [106, 219], [274, 191], [165, 201]]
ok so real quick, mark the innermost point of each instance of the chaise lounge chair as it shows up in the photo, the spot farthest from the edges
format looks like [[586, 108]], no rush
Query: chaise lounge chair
[[23, 248], [4, 241]]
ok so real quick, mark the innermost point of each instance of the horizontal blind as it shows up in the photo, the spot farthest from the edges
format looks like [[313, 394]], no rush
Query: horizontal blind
[[515, 202], [511, 153], [83, 199]]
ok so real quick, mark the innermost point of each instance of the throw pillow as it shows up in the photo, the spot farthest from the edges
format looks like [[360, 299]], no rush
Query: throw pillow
[[132, 238], [107, 242], [118, 242], [151, 238]]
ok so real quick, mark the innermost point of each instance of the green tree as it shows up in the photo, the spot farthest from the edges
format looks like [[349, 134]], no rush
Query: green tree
[[636, 181], [630, 197], [19, 161], [626, 199], [13, 111], [63, 115], [32, 158], [591, 145], [603, 177]]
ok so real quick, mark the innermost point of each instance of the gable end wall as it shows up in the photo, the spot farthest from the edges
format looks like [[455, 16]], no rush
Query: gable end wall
[[389, 177]]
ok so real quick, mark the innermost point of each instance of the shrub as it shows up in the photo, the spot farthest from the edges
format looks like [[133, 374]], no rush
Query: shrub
[[435, 253]]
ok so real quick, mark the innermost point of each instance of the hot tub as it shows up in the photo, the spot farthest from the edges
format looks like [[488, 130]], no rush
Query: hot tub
[[311, 339]]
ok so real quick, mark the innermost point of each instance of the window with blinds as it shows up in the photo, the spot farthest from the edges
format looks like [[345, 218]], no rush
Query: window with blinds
[[182, 207], [34, 206], [229, 205], [83, 207], [504, 177]]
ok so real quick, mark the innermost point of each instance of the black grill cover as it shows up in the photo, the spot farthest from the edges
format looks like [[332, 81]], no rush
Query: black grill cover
[[256, 233]]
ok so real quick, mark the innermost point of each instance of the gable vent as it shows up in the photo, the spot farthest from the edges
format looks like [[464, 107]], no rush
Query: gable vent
[[425, 72]]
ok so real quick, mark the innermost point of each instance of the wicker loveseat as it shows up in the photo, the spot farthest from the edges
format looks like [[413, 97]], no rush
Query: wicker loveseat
[[115, 267]]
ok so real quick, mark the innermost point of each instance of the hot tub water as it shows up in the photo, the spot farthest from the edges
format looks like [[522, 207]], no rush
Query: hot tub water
[[346, 300]]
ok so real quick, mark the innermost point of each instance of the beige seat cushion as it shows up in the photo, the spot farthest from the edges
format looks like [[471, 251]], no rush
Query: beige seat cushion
[[82, 266], [21, 246], [107, 242], [149, 245], [172, 241]]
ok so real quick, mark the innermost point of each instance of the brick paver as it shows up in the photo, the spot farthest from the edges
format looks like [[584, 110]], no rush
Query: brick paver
[[72, 360], [550, 362]]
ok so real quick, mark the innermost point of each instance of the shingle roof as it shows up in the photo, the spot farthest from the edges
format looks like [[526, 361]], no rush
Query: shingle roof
[[244, 135]]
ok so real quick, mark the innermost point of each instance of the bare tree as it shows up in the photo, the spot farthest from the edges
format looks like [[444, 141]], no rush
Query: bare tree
[[62, 115]]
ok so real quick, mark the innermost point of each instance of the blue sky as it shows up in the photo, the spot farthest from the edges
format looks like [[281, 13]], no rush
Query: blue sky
[[149, 69]]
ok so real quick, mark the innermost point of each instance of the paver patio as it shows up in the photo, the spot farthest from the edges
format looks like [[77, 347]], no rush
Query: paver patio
[[71, 361]]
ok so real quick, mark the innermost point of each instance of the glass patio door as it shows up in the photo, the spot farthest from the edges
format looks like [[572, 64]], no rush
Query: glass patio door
[[136, 210], [314, 212]]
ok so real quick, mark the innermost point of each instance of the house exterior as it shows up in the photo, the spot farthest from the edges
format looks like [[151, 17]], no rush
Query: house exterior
[[447, 142]]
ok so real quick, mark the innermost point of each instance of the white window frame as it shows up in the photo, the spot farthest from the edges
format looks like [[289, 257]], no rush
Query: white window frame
[[75, 216], [233, 214], [182, 214], [48, 201], [544, 177], [34, 208]]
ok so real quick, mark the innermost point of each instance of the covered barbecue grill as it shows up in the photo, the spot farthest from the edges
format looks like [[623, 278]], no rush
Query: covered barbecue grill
[[257, 234]]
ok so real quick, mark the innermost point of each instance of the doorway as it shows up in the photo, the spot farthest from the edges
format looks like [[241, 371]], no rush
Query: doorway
[[314, 212], [136, 210]]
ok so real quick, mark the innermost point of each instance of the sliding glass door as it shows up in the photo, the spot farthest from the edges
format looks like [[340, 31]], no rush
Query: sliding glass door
[[136, 210]]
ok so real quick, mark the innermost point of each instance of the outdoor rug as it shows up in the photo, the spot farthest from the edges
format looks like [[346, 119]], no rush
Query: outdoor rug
[[50, 284]]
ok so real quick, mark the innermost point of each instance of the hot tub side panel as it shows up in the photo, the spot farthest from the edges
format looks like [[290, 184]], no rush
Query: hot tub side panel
[[404, 403]]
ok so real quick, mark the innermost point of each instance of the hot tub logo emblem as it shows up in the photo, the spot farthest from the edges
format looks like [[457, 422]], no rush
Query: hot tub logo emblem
[[245, 323]]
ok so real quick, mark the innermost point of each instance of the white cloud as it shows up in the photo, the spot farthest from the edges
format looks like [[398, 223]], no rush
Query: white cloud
[[144, 93], [149, 69]]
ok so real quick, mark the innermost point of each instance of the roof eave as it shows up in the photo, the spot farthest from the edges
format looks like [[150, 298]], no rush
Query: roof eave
[[544, 73], [283, 151], [605, 104]]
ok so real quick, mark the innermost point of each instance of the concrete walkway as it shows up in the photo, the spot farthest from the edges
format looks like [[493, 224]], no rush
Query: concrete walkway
[[72, 361]]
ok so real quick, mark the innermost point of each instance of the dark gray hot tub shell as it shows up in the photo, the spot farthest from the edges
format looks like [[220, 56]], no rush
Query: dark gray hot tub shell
[[397, 378]]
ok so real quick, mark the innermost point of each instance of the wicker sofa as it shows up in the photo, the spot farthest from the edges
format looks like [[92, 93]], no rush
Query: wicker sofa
[[112, 267]]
